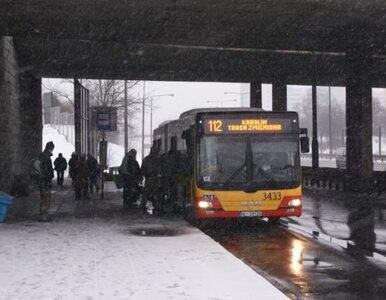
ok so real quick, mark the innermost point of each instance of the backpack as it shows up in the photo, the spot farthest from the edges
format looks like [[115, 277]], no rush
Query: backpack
[[36, 172]]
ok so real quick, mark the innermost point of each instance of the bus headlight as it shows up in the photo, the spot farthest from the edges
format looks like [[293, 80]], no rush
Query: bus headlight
[[204, 204], [295, 202]]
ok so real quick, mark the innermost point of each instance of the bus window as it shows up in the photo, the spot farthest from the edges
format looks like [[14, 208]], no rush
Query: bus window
[[159, 144], [173, 143], [223, 161], [220, 157], [274, 161]]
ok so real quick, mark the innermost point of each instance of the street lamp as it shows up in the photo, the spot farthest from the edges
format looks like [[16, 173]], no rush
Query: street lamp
[[151, 112], [329, 119], [241, 94], [221, 101], [126, 121], [143, 120]]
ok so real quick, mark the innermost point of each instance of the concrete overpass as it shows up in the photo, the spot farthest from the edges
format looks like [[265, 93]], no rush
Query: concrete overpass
[[314, 42]]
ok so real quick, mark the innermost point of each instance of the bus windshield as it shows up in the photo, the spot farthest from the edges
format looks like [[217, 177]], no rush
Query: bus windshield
[[238, 162]]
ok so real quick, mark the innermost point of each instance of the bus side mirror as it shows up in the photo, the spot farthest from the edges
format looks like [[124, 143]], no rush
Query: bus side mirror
[[304, 144], [304, 140]]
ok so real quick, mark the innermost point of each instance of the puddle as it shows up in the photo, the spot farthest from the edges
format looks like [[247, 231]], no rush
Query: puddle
[[154, 232]]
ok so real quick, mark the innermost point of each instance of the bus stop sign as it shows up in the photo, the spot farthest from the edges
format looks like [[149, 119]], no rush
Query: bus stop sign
[[105, 118]]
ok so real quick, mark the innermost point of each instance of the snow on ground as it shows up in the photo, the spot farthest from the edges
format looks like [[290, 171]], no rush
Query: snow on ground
[[102, 259]]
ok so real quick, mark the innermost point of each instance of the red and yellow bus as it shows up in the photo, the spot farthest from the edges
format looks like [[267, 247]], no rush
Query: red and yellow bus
[[242, 162]]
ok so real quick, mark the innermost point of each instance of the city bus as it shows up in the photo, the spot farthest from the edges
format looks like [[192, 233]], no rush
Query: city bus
[[239, 162]]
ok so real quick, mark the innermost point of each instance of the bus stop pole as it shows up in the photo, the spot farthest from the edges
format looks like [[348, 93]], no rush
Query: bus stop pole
[[103, 161]]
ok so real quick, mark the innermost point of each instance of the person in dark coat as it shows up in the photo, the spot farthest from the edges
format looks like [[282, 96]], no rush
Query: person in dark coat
[[150, 169], [45, 183], [81, 184], [73, 164], [60, 164], [174, 171], [93, 175], [132, 175]]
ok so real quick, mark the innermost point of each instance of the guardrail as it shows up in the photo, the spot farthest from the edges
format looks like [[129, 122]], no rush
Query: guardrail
[[330, 178], [376, 157]]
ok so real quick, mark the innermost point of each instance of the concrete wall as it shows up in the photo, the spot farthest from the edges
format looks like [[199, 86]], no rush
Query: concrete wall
[[10, 129], [30, 98], [20, 120]]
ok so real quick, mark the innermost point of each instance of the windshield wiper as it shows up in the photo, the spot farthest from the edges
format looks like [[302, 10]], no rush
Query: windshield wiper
[[235, 173]]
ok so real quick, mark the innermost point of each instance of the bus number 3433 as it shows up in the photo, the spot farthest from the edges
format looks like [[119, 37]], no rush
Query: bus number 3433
[[272, 196]]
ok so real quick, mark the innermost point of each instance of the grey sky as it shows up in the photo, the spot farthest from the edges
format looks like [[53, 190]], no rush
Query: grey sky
[[189, 95]]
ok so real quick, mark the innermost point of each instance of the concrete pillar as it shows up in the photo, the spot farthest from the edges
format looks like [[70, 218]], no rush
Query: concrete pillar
[[255, 92], [279, 94], [32, 116], [359, 114], [314, 143], [77, 117], [30, 144], [10, 136], [20, 120]]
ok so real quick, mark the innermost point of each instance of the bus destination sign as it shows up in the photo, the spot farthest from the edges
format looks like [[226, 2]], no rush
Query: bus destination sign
[[215, 125]]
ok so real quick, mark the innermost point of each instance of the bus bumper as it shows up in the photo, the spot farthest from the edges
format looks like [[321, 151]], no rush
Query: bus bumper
[[219, 213]]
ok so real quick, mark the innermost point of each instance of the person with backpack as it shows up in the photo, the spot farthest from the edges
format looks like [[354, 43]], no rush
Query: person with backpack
[[60, 164], [132, 175], [45, 184]]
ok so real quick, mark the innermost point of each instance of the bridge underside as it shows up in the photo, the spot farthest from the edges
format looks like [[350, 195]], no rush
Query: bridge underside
[[111, 60], [268, 41], [216, 40], [323, 25]]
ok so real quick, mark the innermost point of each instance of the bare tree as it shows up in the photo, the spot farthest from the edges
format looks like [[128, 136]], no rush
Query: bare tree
[[337, 117], [109, 93], [61, 93]]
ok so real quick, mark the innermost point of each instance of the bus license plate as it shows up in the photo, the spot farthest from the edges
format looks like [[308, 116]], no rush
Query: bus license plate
[[251, 214]]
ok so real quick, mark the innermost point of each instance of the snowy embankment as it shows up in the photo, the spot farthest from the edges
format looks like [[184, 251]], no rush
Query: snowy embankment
[[115, 152], [99, 259], [60, 142]]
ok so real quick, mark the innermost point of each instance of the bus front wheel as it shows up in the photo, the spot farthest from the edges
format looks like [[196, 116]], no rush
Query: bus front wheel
[[274, 220]]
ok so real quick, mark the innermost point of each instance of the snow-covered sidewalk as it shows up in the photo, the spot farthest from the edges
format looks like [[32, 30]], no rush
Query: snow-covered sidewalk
[[118, 255]]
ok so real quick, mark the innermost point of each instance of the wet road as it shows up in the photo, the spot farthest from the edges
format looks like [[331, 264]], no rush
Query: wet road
[[301, 267]]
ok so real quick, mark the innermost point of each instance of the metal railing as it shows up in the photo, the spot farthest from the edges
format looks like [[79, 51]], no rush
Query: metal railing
[[327, 156], [341, 180], [63, 122]]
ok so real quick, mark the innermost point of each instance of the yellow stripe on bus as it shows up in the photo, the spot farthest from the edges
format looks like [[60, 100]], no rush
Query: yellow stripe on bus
[[242, 201]]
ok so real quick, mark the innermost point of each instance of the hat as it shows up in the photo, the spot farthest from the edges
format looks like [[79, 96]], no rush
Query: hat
[[50, 145]]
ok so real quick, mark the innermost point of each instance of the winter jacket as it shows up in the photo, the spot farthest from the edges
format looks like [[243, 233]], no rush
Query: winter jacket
[[60, 164], [130, 170], [93, 167], [73, 164], [46, 166]]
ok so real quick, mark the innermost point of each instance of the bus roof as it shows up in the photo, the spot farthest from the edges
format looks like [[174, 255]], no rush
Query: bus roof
[[167, 122], [196, 111]]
